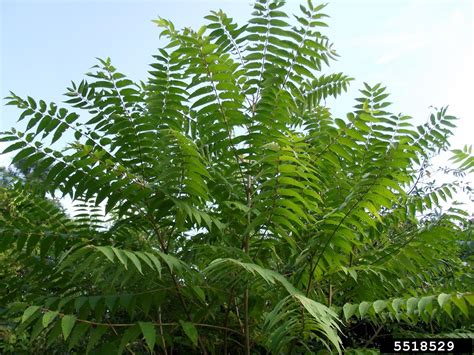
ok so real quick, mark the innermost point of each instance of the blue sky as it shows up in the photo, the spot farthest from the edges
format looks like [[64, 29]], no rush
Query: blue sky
[[422, 50]]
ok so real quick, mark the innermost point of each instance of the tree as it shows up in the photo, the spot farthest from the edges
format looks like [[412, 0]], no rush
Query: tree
[[241, 216]]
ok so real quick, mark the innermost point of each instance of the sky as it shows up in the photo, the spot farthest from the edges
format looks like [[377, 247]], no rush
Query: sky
[[422, 50]]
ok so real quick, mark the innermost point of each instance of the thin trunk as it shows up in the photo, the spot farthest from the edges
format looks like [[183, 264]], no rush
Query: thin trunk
[[246, 292], [161, 332], [226, 319], [246, 321], [330, 295]]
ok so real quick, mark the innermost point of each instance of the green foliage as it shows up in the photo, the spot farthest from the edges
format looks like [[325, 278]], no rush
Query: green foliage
[[220, 207]]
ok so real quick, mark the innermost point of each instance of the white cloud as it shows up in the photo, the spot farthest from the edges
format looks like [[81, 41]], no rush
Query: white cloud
[[400, 45], [5, 159], [417, 26]]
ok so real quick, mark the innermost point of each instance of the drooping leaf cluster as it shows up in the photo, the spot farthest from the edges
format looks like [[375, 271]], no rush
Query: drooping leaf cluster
[[222, 208]]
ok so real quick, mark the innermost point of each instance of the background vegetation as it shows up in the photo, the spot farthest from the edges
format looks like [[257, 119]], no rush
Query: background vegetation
[[240, 215]]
